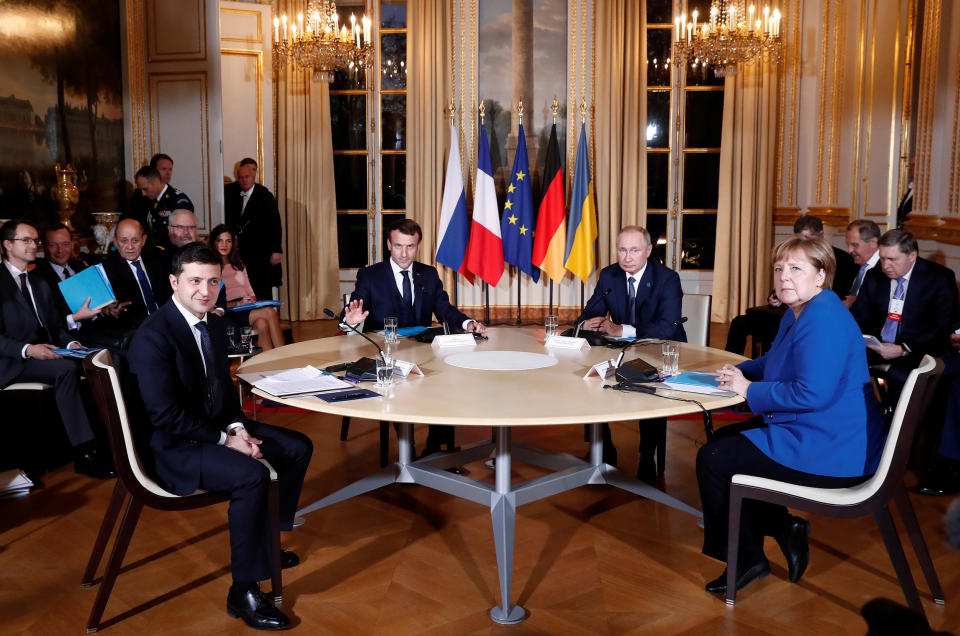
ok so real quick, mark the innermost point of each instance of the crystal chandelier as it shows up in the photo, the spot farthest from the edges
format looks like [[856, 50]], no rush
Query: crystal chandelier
[[734, 35], [317, 41]]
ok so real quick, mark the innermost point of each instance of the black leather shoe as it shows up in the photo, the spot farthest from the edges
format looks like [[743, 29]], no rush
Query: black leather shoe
[[92, 464], [795, 547], [719, 584], [288, 559], [647, 470], [938, 489], [246, 601]]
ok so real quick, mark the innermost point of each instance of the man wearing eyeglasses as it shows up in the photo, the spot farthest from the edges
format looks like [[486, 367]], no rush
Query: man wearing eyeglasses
[[30, 330], [138, 276]]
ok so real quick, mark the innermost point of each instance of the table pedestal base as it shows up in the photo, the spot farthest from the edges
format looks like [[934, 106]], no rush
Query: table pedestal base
[[503, 497]]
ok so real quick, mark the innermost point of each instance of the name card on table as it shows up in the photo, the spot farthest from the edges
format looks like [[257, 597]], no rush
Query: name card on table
[[566, 342], [406, 368], [456, 340], [604, 370]]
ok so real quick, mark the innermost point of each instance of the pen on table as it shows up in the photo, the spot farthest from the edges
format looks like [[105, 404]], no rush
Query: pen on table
[[662, 378]]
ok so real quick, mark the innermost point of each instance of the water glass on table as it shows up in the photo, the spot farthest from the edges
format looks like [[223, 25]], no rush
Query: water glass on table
[[671, 358], [551, 326], [384, 371], [231, 339], [390, 329], [246, 339]]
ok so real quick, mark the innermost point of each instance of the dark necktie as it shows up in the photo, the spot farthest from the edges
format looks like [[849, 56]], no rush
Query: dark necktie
[[407, 289], [632, 293], [66, 273], [859, 280], [209, 363], [145, 287], [889, 332], [26, 295]]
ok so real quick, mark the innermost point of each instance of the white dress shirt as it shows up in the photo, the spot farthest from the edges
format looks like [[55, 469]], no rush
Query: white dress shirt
[[61, 271], [245, 195], [630, 331], [133, 270], [192, 321], [16, 279]]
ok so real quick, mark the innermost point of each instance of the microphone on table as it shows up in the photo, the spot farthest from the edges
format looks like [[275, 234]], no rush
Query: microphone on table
[[675, 323], [369, 339], [595, 299]]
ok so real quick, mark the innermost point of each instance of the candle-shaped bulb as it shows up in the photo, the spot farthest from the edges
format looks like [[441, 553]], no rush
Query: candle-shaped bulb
[[677, 30], [276, 29], [693, 16]]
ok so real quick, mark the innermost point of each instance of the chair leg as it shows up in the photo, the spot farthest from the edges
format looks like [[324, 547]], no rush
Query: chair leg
[[898, 558], [909, 518], [384, 443], [661, 449], [733, 543], [273, 505], [106, 529], [344, 428], [129, 523]]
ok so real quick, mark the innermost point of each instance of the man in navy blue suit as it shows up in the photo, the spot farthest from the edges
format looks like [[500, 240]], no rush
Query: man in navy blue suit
[[637, 298], [410, 291], [201, 438]]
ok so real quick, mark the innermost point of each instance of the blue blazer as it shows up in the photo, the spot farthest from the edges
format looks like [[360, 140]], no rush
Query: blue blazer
[[377, 287], [658, 301], [814, 392], [169, 371]]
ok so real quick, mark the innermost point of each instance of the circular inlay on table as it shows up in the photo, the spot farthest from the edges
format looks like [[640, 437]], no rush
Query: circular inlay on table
[[500, 360]]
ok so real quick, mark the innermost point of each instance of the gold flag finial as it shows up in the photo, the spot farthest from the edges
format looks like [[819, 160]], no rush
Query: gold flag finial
[[555, 107], [583, 111], [520, 109], [451, 110], [481, 108]]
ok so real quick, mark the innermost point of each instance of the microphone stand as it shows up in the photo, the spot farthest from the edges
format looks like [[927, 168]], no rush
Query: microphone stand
[[354, 329]]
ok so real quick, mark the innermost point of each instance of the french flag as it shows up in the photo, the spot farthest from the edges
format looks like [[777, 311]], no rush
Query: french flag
[[454, 232], [485, 250]]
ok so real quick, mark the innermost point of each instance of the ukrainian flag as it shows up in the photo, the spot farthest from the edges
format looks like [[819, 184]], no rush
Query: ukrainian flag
[[580, 253]]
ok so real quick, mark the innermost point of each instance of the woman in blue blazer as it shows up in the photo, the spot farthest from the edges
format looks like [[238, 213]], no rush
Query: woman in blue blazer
[[819, 423]]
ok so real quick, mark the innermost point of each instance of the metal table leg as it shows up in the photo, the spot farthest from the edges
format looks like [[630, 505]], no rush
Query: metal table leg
[[503, 512]]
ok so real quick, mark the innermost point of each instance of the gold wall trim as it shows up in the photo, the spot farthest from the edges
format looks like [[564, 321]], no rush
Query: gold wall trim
[[861, 70], [954, 195], [830, 215], [836, 134], [786, 215], [259, 65], [821, 124], [925, 227], [907, 110], [198, 55], [572, 85], [795, 105], [255, 14], [137, 85], [927, 109]]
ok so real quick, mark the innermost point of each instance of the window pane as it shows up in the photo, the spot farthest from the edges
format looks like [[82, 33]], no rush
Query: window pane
[[701, 177], [699, 234], [658, 52], [349, 79], [394, 122], [702, 75], [658, 180], [350, 175], [348, 114], [658, 118], [393, 16], [704, 119], [352, 240], [657, 226], [659, 11], [387, 219], [393, 61], [394, 182]]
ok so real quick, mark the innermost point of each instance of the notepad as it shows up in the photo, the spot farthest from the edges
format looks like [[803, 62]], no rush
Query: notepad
[[91, 283], [696, 382], [257, 304], [79, 353]]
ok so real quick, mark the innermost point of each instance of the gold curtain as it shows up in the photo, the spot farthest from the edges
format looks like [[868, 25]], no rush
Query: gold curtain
[[428, 128], [620, 120], [741, 272]]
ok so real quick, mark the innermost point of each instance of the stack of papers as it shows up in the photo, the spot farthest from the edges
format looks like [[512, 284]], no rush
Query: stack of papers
[[14, 483], [308, 380], [695, 382]]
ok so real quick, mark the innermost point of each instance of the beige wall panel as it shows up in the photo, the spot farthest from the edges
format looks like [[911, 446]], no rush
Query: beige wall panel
[[176, 30], [241, 110], [242, 24], [943, 147]]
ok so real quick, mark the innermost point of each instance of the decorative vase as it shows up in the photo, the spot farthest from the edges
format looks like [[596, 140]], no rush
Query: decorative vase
[[66, 194], [103, 229]]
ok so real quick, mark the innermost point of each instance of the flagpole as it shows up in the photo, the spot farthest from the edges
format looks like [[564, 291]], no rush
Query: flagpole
[[519, 286], [551, 298], [581, 297], [486, 303]]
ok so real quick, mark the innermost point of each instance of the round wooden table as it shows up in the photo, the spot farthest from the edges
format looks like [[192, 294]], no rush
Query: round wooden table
[[501, 399]]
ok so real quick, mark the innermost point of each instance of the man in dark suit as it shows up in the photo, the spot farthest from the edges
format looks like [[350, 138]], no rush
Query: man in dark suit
[[811, 226], [943, 478], [201, 438], [251, 210], [637, 298], [29, 323], [138, 276], [909, 304], [163, 199], [410, 291]]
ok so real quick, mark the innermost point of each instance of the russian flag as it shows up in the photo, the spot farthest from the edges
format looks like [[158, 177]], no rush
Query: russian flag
[[485, 250], [454, 232]]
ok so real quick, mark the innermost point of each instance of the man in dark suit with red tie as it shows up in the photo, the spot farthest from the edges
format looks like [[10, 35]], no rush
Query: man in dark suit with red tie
[[251, 210], [410, 291], [30, 330], [909, 304], [201, 438], [637, 297], [138, 276]]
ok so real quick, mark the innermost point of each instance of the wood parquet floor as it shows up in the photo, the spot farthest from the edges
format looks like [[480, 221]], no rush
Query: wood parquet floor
[[409, 560]]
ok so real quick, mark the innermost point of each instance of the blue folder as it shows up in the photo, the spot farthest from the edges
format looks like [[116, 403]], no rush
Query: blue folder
[[257, 304], [91, 282]]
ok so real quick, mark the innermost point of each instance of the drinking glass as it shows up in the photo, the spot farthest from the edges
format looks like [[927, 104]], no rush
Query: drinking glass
[[231, 339], [390, 329], [384, 371], [671, 358], [246, 339], [551, 326]]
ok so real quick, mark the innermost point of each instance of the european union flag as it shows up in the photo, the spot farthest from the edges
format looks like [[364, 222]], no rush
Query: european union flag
[[519, 221]]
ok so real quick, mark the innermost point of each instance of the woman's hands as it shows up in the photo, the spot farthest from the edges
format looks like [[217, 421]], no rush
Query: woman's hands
[[732, 379]]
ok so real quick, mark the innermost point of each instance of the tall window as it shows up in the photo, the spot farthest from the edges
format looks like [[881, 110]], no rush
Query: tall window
[[368, 122], [683, 170]]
